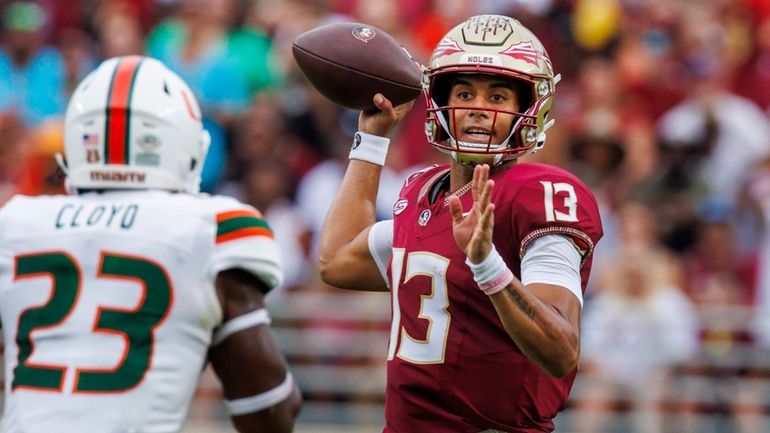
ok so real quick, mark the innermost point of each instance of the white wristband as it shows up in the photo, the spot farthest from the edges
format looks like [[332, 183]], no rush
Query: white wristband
[[492, 274], [369, 148]]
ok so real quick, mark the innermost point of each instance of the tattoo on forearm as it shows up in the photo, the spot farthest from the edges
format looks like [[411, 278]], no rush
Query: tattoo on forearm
[[522, 303]]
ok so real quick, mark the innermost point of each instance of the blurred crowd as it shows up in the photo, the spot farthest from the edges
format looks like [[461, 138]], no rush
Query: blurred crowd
[[663, 110]]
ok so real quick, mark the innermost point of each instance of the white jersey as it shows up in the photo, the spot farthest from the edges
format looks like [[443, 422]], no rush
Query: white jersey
[[108, 304]]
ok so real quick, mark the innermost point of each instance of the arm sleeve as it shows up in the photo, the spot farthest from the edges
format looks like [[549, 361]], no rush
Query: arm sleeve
[[381, 246], [553, 259]]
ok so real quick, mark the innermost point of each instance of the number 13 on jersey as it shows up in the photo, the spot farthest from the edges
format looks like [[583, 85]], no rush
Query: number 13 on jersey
[[560, 204], [433, 308], [551, 191]]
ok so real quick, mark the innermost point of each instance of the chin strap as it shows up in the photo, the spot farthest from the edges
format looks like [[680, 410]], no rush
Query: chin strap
[[62, 163], [541, 137]]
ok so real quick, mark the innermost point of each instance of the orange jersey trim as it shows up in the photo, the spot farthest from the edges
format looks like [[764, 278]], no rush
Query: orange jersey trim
[[245, 232]]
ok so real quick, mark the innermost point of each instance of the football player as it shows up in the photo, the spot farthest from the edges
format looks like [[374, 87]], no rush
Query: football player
[[115, 297], [486, 260]]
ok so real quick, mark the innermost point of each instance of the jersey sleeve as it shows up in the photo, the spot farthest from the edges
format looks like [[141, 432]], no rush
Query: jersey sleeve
[[553, 259], [556, 204], [244, 240], [381, 246]]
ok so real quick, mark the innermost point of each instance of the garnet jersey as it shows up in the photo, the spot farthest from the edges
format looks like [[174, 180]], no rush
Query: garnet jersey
[[451, 365], [108, 304]]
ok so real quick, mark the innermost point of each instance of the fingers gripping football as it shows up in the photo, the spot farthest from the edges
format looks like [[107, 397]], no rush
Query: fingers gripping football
[[380, 120]]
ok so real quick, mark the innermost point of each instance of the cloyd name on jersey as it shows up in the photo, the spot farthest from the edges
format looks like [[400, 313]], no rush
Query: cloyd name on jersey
[[108, 304]]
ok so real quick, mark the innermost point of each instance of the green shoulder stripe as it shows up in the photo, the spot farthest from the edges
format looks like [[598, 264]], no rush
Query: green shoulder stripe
[[242, 222]]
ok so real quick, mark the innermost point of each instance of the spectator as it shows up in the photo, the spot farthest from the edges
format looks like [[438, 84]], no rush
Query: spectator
[[193, 42], [636, 328], [32, 74]]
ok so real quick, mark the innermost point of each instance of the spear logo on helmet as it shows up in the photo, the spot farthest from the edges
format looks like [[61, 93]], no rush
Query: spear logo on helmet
[[526, 51], [446, 47]]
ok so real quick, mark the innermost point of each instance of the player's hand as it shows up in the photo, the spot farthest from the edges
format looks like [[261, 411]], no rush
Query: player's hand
[[380, 121], [473, 230]]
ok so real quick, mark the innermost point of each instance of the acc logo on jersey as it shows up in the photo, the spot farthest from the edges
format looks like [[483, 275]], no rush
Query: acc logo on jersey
[[364, 33], [400, 206], [424, 217]]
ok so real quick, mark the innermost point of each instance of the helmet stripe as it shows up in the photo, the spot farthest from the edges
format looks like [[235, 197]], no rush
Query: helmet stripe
[[118, 123]]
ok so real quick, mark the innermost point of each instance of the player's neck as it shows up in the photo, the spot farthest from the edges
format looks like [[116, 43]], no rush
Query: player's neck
[[461, 174]]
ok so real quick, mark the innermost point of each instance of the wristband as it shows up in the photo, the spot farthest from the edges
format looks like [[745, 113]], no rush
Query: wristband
[[492, 274], [369, 148]]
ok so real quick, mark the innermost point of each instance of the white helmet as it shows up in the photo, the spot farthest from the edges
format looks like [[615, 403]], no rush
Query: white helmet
[[133, 124], [492, 45]]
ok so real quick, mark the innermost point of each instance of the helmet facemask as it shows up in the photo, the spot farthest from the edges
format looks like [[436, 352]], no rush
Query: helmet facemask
[[496, 46]]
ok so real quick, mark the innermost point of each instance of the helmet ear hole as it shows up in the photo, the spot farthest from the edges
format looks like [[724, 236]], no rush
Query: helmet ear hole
[[165, 88], [525, 95], [442, 85], [193, 164]]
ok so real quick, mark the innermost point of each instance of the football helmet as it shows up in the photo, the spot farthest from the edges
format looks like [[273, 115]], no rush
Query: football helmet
[[491, 45], [133, 124]]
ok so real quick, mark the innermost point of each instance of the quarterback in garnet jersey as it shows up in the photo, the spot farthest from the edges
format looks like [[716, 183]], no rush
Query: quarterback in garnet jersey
[[474, 375], [486, 259]]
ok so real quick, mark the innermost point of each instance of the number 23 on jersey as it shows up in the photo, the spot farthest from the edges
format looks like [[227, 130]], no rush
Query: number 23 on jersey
[[136, 326]]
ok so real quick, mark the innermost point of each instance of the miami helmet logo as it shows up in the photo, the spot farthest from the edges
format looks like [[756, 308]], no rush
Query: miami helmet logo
[[446, 47], [527, 52], [364, 33]]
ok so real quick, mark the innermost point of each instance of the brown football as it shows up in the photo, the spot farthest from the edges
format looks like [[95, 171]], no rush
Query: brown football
[[349, 63]]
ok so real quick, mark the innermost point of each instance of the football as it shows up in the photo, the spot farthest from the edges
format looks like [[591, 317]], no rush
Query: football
[[349, 63]]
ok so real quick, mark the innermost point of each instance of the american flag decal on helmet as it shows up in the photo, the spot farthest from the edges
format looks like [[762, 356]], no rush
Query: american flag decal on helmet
[[446, 47], [527, 52]]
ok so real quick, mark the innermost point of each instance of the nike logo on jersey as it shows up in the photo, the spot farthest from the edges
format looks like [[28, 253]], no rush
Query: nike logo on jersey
[[400, 206]]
